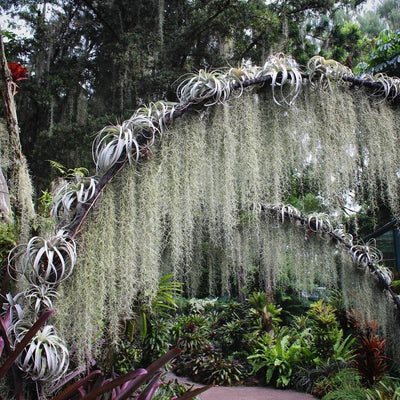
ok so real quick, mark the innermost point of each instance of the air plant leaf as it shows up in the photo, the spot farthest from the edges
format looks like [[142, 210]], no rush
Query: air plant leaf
[[283, 70], [324, 72]]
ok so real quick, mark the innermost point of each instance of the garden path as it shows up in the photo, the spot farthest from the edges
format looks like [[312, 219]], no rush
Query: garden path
[[245, 392]]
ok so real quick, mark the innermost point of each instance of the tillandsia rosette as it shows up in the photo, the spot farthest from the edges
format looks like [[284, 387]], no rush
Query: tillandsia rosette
[[44, 261], [46, 358], [70, 195], [323, 72], [205, 87], [284, 71]]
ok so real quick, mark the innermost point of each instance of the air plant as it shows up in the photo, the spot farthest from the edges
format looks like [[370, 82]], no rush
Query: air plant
[[69, 196], [46, 358], [343, 236], [125, 142], [283, 70], [39, 298], [390, 85], [325, 71], [44, 261], [319, 223], [383, 273], [113, 143], [160, 113], [364, 255], [205, 87]]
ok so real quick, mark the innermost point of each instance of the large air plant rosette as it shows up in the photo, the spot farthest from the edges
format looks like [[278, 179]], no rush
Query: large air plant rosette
[[44, 261], [46, 358], [69, 196]]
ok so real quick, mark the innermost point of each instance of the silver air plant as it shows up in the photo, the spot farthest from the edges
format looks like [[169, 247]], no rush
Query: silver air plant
[[46, 358], [69, 196], [119, 143], [44, 261], [283, 71], [39, 298], [323, 72], [205, 87]]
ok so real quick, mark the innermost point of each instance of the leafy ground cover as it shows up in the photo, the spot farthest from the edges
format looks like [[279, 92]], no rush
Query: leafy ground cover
[[317, 347]]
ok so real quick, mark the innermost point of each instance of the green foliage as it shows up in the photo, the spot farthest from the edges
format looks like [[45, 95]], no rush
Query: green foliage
[[268, 312], [386, 389], [169, 389], [68, 172], [215, 369], [8, 239], [325, 328], [355, 393], [385, 54], [127, 357], [278, 356], [190, 333]]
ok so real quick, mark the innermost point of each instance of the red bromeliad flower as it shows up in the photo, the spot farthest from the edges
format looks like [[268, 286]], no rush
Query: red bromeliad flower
[[18, 72]]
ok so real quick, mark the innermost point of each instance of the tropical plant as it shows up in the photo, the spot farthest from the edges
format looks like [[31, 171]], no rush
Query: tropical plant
[[205, 87], [267, 311], [370, 359], [163, 302], [190, 333], [215, 369], [171, 389], [68, 197], [279, 356], [386, 389], [46, 358], [283, 70], [385, 54], [12, 351], [325, 72], [44, 261], [141, 383], [354, 393], [325, 332]]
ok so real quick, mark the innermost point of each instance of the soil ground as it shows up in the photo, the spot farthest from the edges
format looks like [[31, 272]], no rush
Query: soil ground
[[245, 392]]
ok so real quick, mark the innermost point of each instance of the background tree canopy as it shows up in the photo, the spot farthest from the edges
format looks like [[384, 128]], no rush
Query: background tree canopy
[[93, 62]]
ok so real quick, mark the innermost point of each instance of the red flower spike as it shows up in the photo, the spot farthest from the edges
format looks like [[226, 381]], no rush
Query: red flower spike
[[18, 72]]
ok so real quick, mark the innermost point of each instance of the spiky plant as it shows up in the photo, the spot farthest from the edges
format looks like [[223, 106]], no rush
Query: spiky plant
[[44, 261], [68, 197], [324, 72], [39, 298], [283, 70], [205, 87], [46, 358]]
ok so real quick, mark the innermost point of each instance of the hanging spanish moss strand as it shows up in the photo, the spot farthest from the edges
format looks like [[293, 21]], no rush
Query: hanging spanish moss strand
[[83, 315]]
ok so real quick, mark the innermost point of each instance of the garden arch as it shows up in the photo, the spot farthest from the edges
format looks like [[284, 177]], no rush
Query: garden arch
[[221, 170]]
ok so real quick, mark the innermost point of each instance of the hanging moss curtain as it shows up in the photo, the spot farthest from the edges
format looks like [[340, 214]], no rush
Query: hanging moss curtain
[[192, 208]]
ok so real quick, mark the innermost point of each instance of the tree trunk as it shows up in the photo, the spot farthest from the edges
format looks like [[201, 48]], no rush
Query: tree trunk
[[16, 177]]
